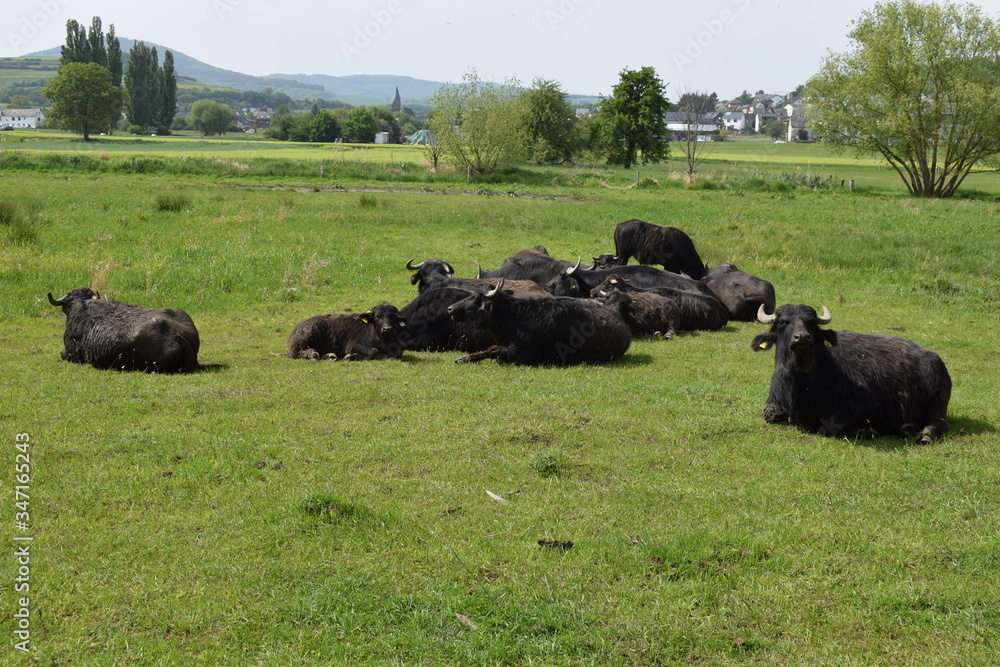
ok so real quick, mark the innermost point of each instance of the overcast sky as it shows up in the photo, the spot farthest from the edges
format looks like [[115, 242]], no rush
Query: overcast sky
[[721, 46]]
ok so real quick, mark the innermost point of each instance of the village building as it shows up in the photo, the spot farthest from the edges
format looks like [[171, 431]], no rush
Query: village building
[[21, 118]]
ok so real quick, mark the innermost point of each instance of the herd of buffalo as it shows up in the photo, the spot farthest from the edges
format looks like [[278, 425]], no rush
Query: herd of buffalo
[[535, 309]]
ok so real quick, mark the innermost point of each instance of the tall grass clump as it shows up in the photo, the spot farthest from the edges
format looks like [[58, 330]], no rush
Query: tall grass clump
[[19, 222], [172, 201]]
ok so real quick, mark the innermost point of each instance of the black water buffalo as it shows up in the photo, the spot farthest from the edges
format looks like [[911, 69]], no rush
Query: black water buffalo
[[559, 330], [740, 292], [652, 244], [108, 334], [695, 311], [842, 383], [528, 265], [434, 273], [579, 282], [645, 313], [606, 261], [432, 329], [362, 336]]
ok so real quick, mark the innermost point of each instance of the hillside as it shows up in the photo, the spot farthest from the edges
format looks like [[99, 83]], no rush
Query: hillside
[[355, 90]]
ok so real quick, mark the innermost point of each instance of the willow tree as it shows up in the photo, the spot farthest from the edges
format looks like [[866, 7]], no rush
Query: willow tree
[[920, 86], [479, 125]]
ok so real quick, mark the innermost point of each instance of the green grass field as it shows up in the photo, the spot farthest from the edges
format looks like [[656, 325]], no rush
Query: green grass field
[[268, 511]]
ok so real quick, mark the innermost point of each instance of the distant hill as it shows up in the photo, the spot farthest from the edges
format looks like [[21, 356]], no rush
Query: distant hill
[[356, 90]]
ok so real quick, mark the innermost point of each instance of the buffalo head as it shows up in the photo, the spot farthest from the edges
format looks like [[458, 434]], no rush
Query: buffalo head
[[795, 333]]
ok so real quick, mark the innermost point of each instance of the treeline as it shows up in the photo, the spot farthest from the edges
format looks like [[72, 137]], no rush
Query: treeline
[[150, 99]]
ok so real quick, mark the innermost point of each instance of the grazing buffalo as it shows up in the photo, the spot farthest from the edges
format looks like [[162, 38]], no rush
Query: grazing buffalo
[[578, 282], [434, 273], [694, 311], [364, 336], [108, 334], [645, 313], [652, 244], [543, 331], [842, 383], [432, 329], [740, 292]]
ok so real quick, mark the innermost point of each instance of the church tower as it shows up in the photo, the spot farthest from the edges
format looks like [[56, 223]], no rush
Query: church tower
[[397, 104]]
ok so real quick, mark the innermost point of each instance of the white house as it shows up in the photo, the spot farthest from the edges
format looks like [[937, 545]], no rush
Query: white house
[[21, 118], [734, 121]]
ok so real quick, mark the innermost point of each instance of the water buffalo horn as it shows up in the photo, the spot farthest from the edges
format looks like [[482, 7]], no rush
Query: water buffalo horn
[[413, 267], [571, 269], [447, 267], [762, 315], [496, 289], [825, 317], [479, 271], [54, 302]]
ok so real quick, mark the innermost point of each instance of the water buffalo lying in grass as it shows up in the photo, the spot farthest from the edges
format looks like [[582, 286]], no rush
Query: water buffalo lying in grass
[[108, 334], [740, 292], [645, 313], [432, 329], [363, 336], [842, 383], [580, 282], [693, 311], [559, 330], [435, 273]]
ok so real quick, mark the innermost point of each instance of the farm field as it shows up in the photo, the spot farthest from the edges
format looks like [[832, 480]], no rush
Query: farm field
[[721, 163], [273, 511]]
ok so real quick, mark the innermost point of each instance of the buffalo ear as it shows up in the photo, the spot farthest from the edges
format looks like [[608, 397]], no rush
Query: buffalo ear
[[830, 337], [364, 318], [414, 278], [762, 341]]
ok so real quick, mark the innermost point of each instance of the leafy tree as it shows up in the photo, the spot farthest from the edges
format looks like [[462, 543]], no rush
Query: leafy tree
[[77, 47], [698, 102], [479, 125], [167, 81], [550, 122], [95, 47], [775, 129], [631, 124], [323, 127], [210, 117], [919, 87], [82, 98], [114, 51], [360, 126], [141, 84], [746, 97], [387, 123], [20, 101]]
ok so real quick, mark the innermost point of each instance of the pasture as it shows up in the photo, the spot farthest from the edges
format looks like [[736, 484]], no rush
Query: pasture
[[275, 511]]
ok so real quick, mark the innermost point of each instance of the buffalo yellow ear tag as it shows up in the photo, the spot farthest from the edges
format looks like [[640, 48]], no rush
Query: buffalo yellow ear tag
[[489, 308], [763, 346]]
